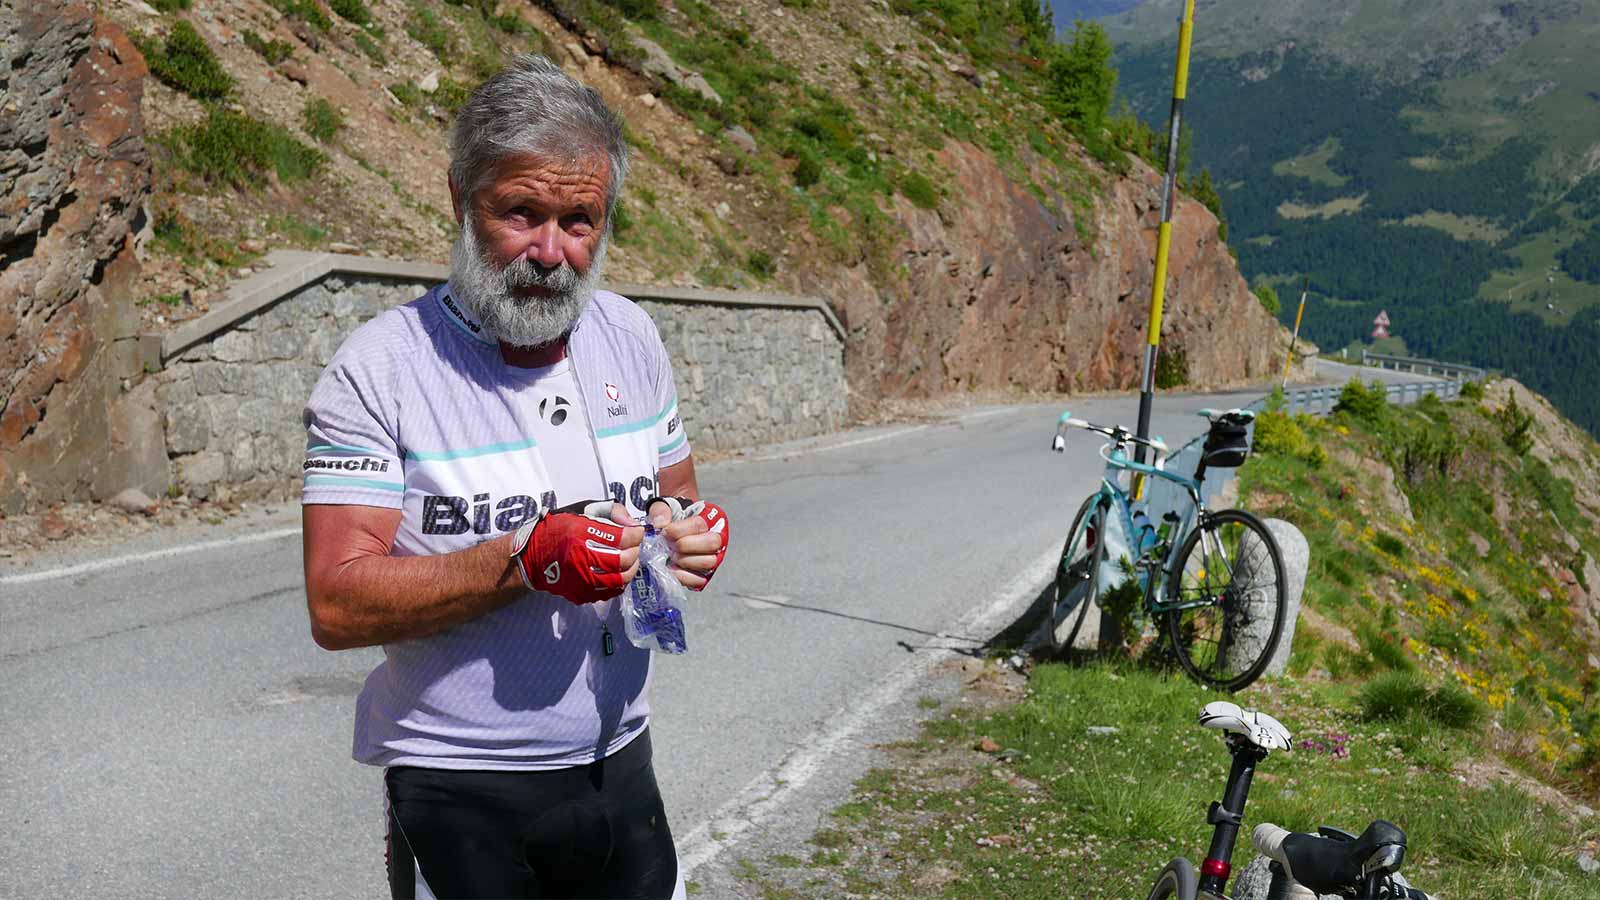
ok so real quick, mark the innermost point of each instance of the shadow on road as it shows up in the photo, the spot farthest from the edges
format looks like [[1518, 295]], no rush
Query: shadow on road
[[978, 648]]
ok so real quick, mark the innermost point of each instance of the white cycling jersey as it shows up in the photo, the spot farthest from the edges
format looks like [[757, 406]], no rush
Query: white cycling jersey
[[418, 411]]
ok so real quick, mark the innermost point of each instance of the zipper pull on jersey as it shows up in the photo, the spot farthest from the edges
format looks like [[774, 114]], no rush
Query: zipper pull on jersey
[[608, 644]]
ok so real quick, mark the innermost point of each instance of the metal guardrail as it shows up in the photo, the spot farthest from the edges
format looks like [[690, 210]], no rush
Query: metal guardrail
[[1318, 401], [1422, 366]]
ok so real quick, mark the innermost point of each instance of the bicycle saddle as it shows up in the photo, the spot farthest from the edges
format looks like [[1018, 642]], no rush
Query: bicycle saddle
[[1239, 415], [1256, 727], [1334, 865]]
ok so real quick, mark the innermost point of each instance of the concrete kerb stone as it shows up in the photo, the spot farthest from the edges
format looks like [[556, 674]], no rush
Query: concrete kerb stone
[[1296, 556]]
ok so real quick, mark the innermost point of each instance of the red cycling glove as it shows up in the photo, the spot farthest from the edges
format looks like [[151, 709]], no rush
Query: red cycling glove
[[716, 522], [574, 552]]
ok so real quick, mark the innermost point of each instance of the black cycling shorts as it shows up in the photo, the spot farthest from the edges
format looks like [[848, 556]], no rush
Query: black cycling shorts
[[589, 831]]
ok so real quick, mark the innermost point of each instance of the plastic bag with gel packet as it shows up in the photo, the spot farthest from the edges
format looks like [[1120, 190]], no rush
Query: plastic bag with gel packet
[[650, 613]]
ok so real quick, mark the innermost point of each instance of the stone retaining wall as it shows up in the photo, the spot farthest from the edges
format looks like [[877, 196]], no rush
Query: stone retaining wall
[[750, 369]]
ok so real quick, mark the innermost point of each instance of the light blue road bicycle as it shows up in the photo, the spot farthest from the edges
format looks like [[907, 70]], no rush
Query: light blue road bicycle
[[1212, 581]]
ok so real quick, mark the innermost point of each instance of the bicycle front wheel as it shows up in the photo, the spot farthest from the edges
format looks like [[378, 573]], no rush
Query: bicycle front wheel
[[1230, 590], [1077, 582], [1176, 882]]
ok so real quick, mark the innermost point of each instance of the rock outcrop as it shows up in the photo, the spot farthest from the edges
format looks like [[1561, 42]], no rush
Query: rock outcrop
[[74, 173], [1003, 295]]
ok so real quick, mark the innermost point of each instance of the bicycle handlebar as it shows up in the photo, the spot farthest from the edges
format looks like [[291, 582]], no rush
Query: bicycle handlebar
[[1117, 434]]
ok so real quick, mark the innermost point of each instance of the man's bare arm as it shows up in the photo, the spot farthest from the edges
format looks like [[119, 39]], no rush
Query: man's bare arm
[[677, 480], [359, 595]]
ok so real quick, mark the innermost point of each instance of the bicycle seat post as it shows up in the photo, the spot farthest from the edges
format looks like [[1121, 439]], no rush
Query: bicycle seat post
[[1228, 815]]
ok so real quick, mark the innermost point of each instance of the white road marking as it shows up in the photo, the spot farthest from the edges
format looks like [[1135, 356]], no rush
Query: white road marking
[[114, 561], [806, 451], [766, 795]]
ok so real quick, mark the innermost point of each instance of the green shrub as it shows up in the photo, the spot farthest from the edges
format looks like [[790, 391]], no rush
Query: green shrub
[[322, 120], [807, 170], [1268, 295], [1391, 545], [919, 190], [761, 264], [1280, 434], [408, 94], [621, 222], [185, 61], [170, 6], [510, 23], [1453, 707], [1429, 452], [425, 26], [305, 10], [450, 95], [369, 45], [273, 51], [1516, 426], [1382, 644], [1369, 403], [354, 11], [1393, 695], [1172, 367], [637, 9], [229, 147], [1472, 390]]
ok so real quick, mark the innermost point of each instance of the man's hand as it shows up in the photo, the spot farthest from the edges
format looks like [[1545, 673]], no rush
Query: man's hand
[[583, 553], [697, 533]]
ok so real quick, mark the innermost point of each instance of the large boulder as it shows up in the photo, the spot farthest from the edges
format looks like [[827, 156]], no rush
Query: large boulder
[[74, 174]]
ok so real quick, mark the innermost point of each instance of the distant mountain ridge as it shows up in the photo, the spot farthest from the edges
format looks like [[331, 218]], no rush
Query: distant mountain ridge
[[1439, 159]]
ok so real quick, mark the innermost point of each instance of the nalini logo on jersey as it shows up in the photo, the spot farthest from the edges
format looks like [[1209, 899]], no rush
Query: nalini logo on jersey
[[612, 393], [346, 464]]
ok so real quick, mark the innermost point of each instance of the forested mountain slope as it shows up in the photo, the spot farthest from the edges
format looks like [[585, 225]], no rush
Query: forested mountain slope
[[1436, 160]]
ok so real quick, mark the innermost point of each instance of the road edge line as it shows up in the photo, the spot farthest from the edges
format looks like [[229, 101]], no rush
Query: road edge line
[[114, 561]]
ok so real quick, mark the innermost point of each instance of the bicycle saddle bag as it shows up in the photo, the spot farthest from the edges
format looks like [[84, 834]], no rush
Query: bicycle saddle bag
[[1330, 866], [1227, 444]]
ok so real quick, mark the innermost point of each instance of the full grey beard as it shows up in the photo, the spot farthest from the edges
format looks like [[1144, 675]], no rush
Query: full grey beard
[[521, 321]]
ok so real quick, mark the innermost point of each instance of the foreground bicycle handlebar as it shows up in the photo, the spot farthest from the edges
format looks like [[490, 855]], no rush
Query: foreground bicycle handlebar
[[1336, 861]]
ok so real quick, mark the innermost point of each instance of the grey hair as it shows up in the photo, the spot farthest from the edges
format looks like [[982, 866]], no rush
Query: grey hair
[[533, 108]]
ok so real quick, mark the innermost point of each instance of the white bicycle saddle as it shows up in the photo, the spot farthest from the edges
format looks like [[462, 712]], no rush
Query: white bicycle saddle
[[1256, 727]]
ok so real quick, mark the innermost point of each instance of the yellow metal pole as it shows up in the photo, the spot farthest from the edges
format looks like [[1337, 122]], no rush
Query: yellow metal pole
[[1294, 340], [1169, 191]]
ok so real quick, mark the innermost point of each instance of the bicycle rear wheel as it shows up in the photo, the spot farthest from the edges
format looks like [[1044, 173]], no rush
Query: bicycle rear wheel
[[1229, 575], [1176, 882], [1077, 582]]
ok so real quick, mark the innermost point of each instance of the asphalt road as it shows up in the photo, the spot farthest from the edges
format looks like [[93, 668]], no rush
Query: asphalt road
[[168, 729]]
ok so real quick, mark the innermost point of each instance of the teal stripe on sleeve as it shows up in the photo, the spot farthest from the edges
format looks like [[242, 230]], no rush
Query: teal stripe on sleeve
[[337, 481], [485, 450], [639, 426], [673, 445], [341, 448]]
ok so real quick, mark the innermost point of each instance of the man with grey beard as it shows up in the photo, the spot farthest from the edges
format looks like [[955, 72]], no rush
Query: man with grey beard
[[479, 465]]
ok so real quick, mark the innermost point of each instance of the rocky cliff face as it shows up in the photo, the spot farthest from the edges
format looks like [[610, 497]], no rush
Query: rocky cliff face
[[1007, 296], [73, 174]]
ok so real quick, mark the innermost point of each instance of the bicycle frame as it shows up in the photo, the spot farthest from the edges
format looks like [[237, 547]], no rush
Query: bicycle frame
[[1118, 499]]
